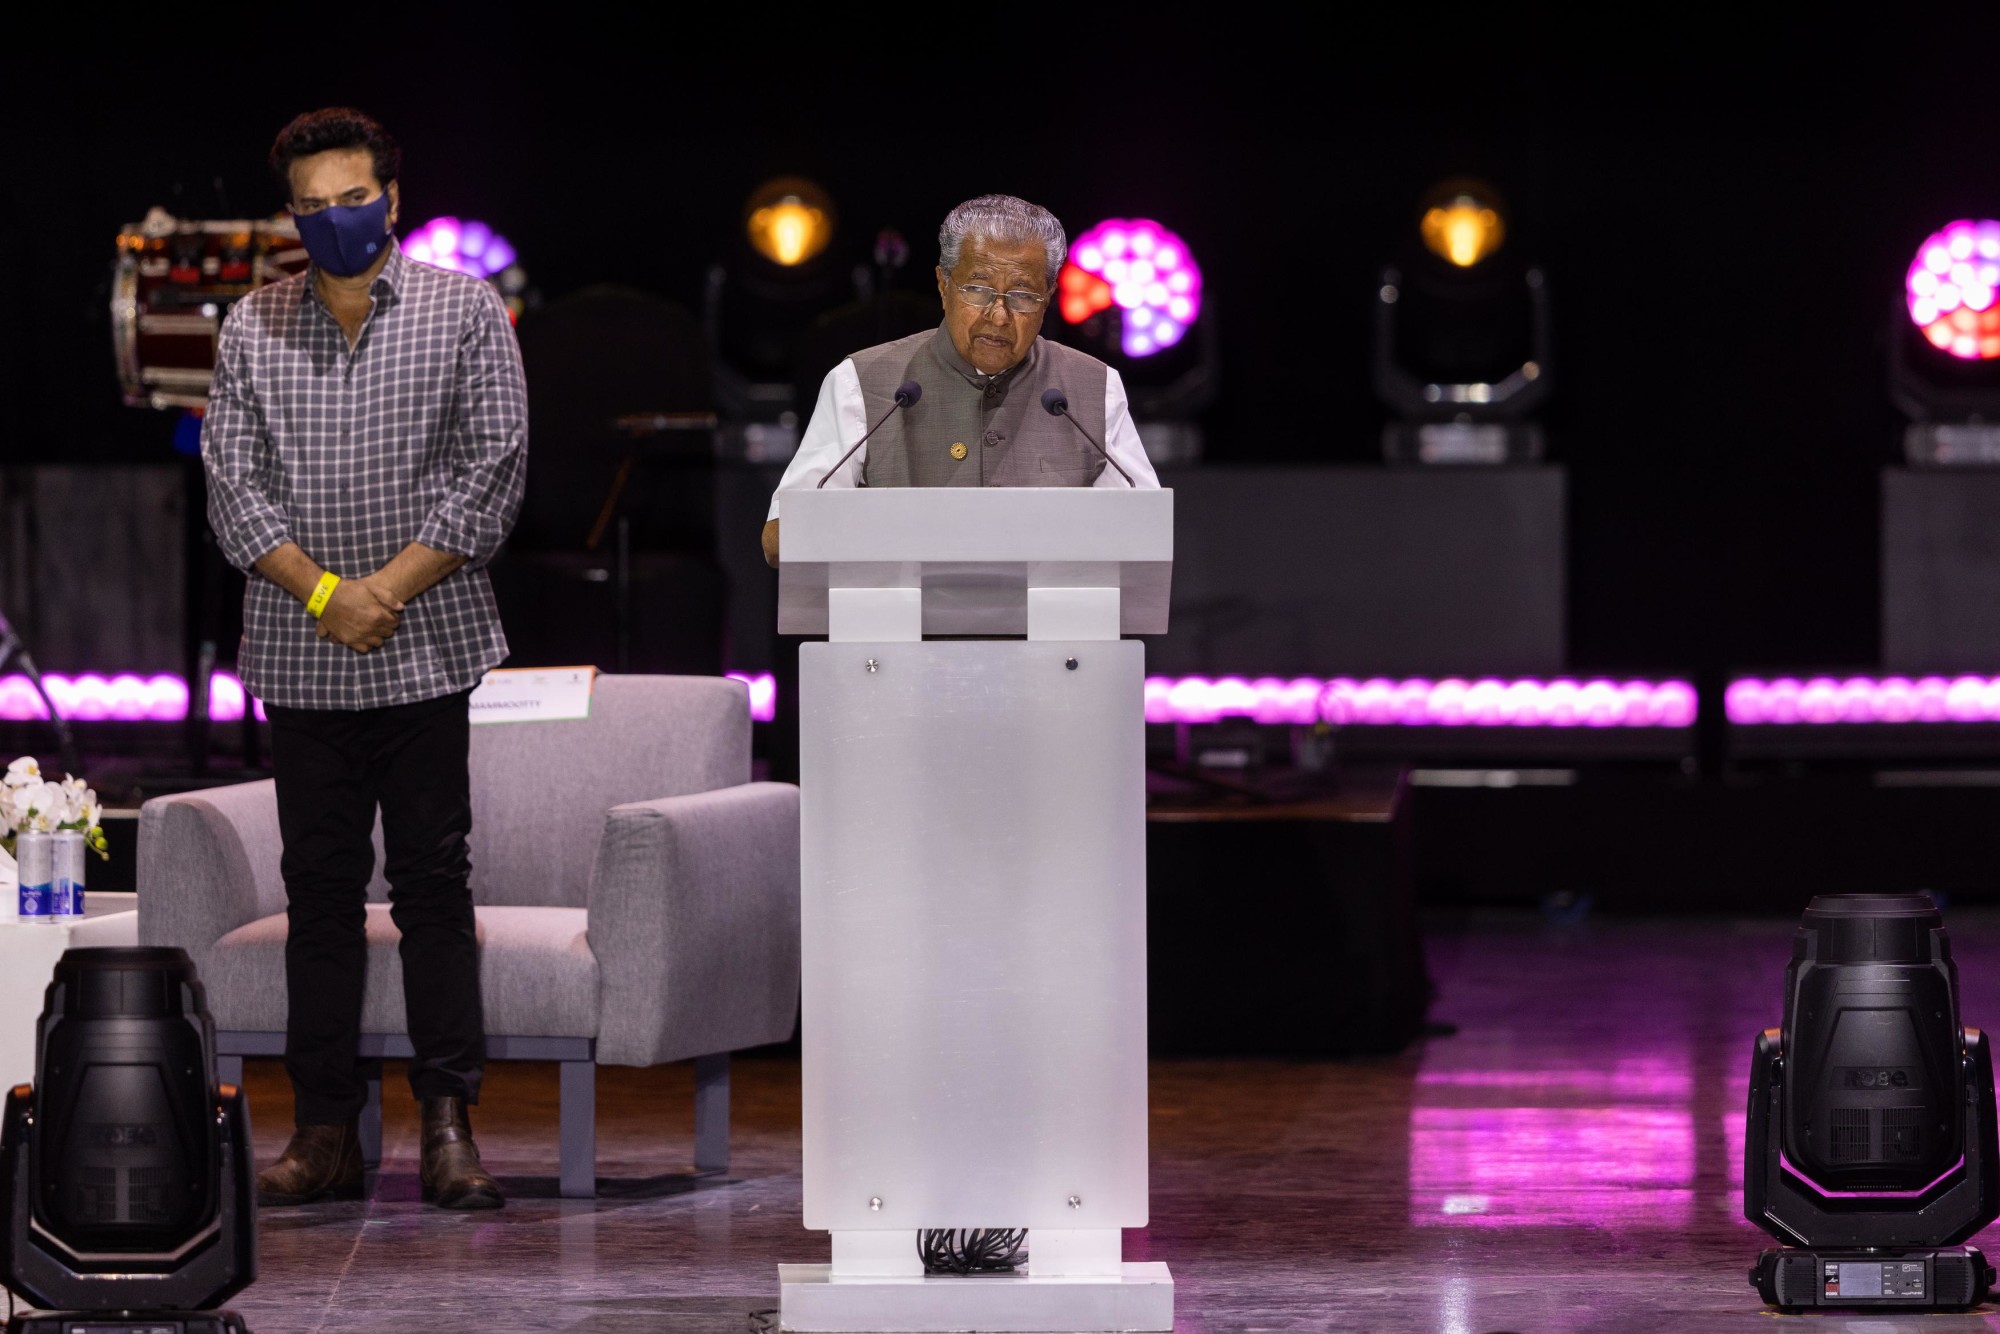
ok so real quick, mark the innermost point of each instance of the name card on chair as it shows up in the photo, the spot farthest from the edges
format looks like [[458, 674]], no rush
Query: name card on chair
[[533, 695]]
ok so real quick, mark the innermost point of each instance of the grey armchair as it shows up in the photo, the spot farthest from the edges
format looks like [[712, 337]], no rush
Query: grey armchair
[[637, 902]]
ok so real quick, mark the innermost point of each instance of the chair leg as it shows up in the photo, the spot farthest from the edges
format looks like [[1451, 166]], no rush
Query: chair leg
[[229, 1070], [371, 1120], [711, 1113], [578, 1115]]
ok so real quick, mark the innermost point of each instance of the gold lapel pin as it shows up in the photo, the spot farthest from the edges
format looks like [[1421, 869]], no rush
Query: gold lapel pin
[[958, 449]]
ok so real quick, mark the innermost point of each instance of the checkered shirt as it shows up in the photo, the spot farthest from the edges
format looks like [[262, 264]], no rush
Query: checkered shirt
[[417, 434]]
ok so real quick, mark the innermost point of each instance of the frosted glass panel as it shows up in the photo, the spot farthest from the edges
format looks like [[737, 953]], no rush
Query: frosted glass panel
[[974, 919]]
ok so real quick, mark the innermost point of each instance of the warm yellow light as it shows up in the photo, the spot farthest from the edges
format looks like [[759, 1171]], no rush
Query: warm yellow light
[[1463, 230], [788, 231], [789, 221]]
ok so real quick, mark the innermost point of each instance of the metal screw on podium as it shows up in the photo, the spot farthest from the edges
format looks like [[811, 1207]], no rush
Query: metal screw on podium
[[872, 664], [1070, 663], [875, 1202], [1076, 1201]]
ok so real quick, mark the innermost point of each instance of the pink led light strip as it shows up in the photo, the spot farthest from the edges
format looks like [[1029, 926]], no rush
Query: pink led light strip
[[1751, 702], [163, 698], [123, 698], [1451, 702]]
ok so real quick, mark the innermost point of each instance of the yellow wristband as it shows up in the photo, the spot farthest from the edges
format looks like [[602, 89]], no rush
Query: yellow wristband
[[317, 602]]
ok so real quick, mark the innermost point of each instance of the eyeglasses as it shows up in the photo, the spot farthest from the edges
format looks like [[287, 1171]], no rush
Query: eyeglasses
[[982, 298]]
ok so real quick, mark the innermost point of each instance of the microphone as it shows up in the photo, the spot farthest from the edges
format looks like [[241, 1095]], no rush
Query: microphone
[[908, 392], [1056, 404]]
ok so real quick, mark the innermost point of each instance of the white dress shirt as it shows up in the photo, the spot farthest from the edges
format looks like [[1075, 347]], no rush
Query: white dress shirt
[[840, 418]]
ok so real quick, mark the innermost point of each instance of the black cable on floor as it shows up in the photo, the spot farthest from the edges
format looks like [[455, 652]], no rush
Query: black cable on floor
[[985, 1250]]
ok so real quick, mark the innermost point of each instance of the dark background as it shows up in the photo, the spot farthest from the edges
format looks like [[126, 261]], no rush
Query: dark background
[[1725, 216]]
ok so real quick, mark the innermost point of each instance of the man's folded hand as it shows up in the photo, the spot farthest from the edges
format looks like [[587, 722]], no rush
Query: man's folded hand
[[361, 614]]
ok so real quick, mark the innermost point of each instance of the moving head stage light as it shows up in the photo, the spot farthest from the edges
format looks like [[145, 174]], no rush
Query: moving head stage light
[[125, 1170], [1944, 358], [1871, 1150], [1461, 336]]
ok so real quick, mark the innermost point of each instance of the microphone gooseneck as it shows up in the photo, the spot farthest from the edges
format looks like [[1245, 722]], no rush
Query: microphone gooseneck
[[1056, 404], [908, 392]]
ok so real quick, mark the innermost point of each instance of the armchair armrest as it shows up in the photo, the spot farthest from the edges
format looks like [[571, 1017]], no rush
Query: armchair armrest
[[208, 863], [694, 919]]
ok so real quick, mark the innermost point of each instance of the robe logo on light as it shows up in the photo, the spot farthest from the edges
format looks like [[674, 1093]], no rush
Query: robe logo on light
[[1951, 289], [1142, 269]]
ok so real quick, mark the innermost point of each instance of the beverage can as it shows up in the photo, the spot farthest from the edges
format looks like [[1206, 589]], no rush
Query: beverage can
[[35, 856], [66, 899]]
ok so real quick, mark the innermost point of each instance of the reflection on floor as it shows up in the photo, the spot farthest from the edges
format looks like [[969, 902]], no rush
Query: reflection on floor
[[1569, 1161]]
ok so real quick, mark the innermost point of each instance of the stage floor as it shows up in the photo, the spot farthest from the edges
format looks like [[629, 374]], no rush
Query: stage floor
[[1568, 1161]]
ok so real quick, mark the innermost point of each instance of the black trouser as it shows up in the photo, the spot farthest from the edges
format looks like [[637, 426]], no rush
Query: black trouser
[[333, 769]]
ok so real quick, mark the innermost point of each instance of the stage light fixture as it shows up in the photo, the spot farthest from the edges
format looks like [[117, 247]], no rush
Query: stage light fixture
[[1847, 701], [1461, 336], [470, 246], [1482, 702], [1463, 227], [1944, 347], [125, 1169], [1142, 269], [1131, 293], [789, 220], [1870, 1150], [1951, 290], [760, 301]]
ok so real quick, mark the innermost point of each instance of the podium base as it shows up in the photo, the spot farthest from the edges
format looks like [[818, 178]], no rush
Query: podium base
[[1140, 1298]]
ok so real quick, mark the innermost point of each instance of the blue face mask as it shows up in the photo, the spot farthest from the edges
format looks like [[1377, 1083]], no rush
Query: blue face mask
[[345, 240]]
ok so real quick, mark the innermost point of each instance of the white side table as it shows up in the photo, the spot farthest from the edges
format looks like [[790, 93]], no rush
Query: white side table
[[28, 954]]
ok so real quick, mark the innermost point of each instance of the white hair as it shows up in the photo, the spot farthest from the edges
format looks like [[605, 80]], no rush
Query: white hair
[[1002, 218]]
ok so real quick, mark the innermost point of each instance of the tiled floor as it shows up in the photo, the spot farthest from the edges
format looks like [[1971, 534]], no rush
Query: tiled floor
[[1567, 1162]]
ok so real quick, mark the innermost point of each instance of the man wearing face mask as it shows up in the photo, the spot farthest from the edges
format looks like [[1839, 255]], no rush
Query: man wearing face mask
[[984, 376], [366, 446]]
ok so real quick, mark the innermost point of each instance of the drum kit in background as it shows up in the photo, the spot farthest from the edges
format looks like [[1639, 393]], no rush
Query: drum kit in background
[[173, 282]]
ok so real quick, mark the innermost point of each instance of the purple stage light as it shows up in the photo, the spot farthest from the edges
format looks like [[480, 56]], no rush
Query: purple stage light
[[163, 698], [124, 698], [1417, 702], [1953, 289], [1825, 700], [463, 247], [1551, 1166], [1626, 1077], [1143, 269], [763, 695]]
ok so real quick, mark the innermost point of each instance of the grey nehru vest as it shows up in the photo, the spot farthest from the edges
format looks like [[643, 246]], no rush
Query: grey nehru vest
[[1009, 439]]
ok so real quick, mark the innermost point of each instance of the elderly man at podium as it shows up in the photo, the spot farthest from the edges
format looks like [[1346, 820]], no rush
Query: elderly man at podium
[[983, 399]]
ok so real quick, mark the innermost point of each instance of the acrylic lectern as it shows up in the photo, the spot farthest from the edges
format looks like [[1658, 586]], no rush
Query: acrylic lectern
[[973, 897]]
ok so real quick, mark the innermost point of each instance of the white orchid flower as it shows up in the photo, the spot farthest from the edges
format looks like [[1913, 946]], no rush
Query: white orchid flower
[[22, 772], [44, 806]]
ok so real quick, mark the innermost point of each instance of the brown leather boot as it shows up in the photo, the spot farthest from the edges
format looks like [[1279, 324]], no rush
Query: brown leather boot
[[321, 1162], [452, 1176]]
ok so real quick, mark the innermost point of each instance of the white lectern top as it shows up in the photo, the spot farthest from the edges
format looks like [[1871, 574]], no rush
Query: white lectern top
[[975, 551]]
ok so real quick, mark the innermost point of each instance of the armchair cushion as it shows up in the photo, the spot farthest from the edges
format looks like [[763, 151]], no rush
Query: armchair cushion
[[537, 977], [540, 790], [208, 863], [694, 918]]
